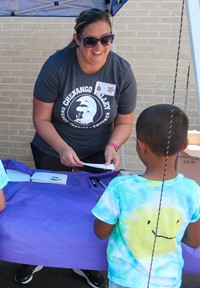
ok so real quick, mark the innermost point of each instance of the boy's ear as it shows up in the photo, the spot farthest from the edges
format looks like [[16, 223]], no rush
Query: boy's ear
[[141, 145], [185, 145]]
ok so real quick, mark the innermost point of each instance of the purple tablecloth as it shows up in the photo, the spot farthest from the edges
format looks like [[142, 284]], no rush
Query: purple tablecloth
[[52, 224]]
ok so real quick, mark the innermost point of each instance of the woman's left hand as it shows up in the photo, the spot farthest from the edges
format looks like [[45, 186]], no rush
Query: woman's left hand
[[112, 156]]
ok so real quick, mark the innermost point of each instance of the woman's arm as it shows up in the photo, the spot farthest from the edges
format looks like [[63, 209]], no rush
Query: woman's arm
[[121, 132], [192, 235], [102, 229], [42, 114]]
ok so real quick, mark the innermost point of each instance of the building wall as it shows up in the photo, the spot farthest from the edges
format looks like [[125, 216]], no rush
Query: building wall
[[147, 35]]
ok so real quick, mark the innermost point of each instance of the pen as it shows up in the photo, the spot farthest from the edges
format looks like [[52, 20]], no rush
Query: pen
[[93, 182], [55, 178], [101, 183]]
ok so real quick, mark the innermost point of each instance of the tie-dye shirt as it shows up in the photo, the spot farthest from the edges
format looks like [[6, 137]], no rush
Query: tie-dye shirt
[[3, 176], [132, 203]]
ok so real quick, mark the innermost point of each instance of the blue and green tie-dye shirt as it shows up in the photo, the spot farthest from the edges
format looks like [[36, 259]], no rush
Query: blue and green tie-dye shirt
[[3, 176], [132, 202]]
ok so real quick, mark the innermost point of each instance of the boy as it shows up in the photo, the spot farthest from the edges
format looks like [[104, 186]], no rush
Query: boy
[[3, 183], [128, 209]]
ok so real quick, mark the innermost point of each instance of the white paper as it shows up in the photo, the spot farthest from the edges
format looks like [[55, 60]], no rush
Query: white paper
[[101, 166], [49, 177], [17, 176]]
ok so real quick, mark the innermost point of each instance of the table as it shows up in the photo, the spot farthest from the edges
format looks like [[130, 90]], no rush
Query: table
[[52, 224]]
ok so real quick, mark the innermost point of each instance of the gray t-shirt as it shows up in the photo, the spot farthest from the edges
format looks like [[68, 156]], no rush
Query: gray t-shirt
[[85, 105]]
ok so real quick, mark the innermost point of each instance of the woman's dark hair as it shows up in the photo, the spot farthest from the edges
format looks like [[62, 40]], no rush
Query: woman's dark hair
[[87, 17], [152, 128]]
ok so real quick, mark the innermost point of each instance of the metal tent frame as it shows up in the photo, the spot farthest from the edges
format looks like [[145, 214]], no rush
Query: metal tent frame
[[193, 15]]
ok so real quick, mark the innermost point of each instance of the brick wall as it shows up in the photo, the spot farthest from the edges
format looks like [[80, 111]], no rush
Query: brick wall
[[147, 34]]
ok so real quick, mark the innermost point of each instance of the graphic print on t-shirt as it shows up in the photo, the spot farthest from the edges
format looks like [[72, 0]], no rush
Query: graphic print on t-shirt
[[142, 231], [83, 108], [86, 110]]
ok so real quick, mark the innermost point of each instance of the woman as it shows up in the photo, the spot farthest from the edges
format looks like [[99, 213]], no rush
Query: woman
[[83, 105]]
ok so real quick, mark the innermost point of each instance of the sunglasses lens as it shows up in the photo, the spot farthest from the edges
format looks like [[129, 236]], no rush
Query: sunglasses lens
[[90, 42], [107, 40]]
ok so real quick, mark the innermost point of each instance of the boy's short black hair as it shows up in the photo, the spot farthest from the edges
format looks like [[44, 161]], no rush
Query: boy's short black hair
[[152, 128]]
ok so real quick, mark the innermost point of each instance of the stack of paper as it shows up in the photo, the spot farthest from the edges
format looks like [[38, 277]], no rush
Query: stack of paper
[[100, 166], [49, 177], [17, 176]]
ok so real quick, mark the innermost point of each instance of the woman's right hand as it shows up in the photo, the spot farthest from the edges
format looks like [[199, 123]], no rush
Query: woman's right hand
[[69, 157]]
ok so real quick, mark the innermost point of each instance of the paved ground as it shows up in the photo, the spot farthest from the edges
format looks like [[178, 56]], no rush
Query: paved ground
[[46, 278], [64, 278]]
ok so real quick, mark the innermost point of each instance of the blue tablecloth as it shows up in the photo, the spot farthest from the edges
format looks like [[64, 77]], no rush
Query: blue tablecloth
[[52, 225]]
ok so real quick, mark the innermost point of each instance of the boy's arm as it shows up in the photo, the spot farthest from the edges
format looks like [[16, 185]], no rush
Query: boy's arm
[[102, 229], [2, 200], [192, 235]]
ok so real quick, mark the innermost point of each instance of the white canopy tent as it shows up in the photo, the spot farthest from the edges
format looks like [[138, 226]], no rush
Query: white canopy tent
[[51, 8]]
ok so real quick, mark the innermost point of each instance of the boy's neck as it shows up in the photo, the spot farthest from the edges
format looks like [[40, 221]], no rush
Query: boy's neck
[[155, 169], [159, 176]]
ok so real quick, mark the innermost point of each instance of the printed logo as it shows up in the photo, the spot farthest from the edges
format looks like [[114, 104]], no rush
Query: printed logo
[[83, 109]]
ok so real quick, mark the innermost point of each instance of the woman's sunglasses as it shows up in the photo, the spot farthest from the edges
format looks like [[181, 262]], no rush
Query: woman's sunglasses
[[90, 41]]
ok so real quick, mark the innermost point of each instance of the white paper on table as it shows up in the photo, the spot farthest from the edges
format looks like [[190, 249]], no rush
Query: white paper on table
[[17, 176], [100, 166], [49, 177]]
